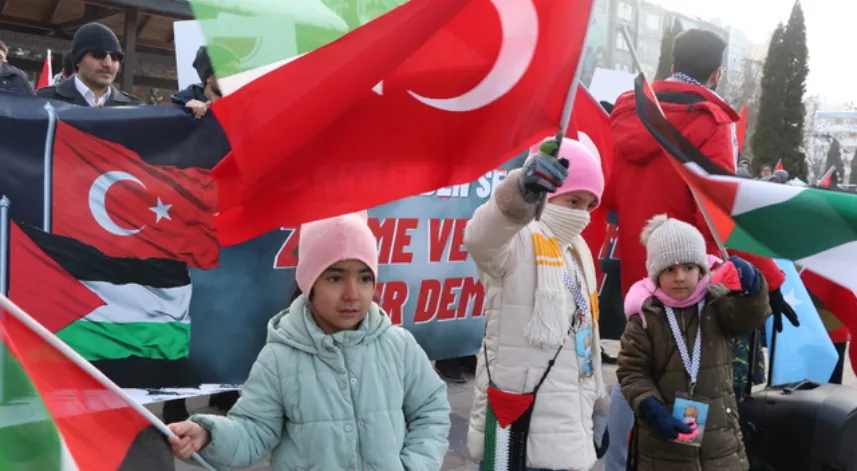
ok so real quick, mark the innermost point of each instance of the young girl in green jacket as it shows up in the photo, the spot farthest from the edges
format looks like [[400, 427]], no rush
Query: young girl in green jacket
[[337, 386]]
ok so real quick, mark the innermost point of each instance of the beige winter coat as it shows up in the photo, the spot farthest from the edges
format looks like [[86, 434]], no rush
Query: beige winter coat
[[499, 237]]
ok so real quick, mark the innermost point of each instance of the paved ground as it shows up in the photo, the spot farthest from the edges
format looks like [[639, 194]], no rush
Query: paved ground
[[460, 398]]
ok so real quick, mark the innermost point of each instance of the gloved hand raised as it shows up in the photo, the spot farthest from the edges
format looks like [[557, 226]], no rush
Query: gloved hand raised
[[751, 281], [542, 173], [781, 308], [665, 426]]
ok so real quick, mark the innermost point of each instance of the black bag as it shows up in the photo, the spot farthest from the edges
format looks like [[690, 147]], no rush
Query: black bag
[[803, 426]]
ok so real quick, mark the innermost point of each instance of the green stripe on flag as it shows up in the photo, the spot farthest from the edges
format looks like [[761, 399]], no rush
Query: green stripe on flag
[[246, 34], [809, 223], [28, 442], [107, 341]]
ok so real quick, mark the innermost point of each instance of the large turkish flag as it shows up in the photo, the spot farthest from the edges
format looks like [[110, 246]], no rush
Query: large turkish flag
[[107, 196], [482, 87]]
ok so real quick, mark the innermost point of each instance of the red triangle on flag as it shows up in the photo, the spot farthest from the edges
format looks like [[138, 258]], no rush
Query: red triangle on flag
[[508, 407]]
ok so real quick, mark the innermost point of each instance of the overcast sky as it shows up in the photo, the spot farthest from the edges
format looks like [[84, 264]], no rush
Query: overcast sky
[[832, 64]]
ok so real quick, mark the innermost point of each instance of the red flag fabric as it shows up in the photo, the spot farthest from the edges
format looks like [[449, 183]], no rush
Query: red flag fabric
[[106, 196], [99, 429], [47, 74], [592, 124], [780, 165], [839, 300], [470, 85], [827, 181], [741, 127], [38, 284]]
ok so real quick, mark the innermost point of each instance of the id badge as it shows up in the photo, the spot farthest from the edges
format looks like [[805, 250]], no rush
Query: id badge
[[583, 341], [693, 412]]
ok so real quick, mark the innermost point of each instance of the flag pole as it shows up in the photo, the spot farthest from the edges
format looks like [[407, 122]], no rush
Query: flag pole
[[708, 221], [5, 250], [4, 246], [568, 106], [47, 199], [86, 366]]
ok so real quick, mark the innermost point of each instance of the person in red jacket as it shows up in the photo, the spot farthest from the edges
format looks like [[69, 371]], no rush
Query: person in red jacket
[[644, 182]]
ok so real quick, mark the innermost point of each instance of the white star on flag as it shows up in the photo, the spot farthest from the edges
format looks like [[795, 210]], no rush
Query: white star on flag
[[791, 299], [161, 211]]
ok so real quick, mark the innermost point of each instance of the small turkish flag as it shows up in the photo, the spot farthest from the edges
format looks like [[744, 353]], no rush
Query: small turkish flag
[[466, 86], [106, 196]]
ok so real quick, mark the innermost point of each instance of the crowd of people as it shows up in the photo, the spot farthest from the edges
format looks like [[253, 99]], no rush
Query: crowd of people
[[337, 386], [540, 401]]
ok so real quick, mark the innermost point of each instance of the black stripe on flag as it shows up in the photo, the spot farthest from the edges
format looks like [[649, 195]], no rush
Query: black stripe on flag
[[87, 263], [150, 451], [670, 138]]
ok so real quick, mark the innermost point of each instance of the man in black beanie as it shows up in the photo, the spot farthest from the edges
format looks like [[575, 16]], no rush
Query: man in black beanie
[[199, 97], [96, 56]]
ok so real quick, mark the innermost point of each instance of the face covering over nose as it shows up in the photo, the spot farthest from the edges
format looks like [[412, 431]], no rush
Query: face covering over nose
[[565, 223]]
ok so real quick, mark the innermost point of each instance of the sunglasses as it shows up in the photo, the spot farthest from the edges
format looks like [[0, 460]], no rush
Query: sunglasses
[[100, 55]]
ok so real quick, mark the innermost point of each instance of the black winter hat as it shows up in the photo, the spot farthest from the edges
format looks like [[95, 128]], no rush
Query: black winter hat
[[93, 37], [202, 61]]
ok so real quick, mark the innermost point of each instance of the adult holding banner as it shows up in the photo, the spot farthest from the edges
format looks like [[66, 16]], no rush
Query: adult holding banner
[[97, 57], [541, 317], [642, 168]]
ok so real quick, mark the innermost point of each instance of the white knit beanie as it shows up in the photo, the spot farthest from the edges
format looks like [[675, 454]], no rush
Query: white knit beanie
[[672, 242]]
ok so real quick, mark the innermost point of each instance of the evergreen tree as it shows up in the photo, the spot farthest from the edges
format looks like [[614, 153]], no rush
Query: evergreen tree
[[852, 178], [764, 142], [796, 57], [834, 159], [665, 62]]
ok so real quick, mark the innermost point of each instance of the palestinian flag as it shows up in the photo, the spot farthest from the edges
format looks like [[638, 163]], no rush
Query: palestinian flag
[[64, 419], [814, 228], [126, 315]]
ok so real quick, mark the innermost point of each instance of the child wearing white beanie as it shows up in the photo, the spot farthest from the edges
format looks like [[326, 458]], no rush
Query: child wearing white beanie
[[675, 365]]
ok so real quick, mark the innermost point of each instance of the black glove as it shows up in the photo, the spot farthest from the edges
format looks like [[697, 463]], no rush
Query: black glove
[[600, 451], [543, 172], [781, 308]]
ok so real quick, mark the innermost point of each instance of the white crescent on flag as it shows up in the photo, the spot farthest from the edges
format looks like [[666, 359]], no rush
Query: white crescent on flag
[[519, 21]]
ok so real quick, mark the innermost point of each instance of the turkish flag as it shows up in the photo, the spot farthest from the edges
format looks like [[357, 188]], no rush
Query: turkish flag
[[106, 196], [466, 86], [589, 121], [41, 287]]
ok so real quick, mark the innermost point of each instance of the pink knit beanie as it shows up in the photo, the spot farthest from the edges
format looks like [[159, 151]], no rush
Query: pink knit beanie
[[584, 169], [328, 241]]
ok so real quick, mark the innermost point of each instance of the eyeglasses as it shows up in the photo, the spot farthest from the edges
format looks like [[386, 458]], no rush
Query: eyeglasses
[[100, 55]]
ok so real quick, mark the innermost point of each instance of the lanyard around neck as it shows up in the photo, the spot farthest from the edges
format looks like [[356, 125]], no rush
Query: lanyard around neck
[[691, 364]]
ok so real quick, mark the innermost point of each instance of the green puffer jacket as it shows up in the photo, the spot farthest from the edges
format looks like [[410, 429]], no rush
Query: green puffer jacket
[[364, 399], [650, 365]]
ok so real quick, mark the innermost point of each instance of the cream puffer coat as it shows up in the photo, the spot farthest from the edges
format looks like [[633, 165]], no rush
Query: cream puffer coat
[[499, 238]]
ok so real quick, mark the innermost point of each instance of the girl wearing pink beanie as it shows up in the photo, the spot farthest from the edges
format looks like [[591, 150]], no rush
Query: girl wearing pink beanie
[[541, 346], [337, 386]]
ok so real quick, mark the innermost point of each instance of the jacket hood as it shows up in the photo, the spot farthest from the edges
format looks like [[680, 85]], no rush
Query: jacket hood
[[296, 328], [679, 100]]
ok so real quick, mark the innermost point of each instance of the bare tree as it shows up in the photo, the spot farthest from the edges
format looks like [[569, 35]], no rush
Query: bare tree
[[816, 139], [743, 86]]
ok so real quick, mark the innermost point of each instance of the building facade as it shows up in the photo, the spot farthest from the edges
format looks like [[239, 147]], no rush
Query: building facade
[[647, 23]]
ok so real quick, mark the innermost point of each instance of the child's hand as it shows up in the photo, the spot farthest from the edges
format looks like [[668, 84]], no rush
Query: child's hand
[[750, 278], [665, 426], [191, 438]]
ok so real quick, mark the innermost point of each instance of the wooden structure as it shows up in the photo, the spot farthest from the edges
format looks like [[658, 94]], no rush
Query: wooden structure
[[144, 27]]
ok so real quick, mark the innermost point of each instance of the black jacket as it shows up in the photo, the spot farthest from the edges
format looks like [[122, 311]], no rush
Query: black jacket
[[14, 81], [67, 93]]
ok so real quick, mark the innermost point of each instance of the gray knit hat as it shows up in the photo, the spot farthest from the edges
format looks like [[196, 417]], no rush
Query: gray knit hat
[[671, 242]]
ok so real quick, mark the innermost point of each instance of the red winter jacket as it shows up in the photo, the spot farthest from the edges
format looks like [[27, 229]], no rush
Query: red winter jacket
[[644, 183]]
